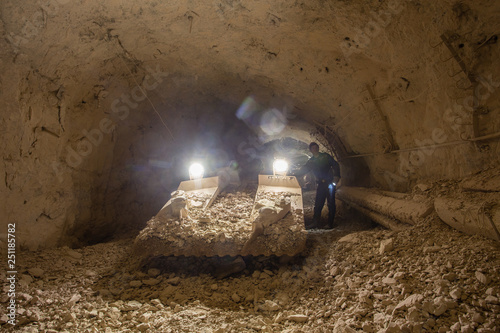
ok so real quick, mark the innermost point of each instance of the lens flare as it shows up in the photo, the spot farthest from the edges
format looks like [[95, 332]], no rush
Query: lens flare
[[247, 109], [273, 122]]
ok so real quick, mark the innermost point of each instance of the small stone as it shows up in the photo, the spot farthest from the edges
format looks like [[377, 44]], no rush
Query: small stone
[[214, 286], [25, 280], [456, 293], [116, 304], [36, 272], [410, 301], [167, 292], [491, 300], [235, 266], [467, 329], [379, 317], [440, 306], [224, 328], [157, 303], [269, 306], [90, 273], [68, 316], [334, 270], [386, 245], [351, 238], [477, 318], [450, 276], [153, 272], [298, 318], [25, 296], [131, 306], [392, 328], [143, 327], [135, 283], [196, 204], [174, 281], [278, 318], [482, 278], [422, 187], [431, 249], [413, 315], [368, 327], [235, 297], [145, 317], [74, 299], [151, 282], [390, 281], [73, 254]]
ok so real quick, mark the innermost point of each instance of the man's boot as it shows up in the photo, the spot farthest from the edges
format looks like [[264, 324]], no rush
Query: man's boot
[[331, 223], [313, 225]]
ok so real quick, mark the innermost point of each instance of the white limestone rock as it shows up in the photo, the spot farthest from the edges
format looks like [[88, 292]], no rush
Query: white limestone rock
[[269, 306], [386, 245], [389, 281], [73, 254], [74, 299], [236, 298], [135, 283], [174, 281], [131, 306], [36, 272], [151, 282], [143, 327], [298, 318], [153, 272], [413, 315], [481, 277], [492, 300], [432, 249], [456, 293], [351, 238], [414, 300]]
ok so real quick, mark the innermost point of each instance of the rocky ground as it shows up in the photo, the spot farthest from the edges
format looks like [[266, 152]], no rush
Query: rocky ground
[[225, 227], [428, 278]]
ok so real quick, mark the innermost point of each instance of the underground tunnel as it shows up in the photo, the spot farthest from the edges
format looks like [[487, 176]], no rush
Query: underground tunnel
[[106, 105]]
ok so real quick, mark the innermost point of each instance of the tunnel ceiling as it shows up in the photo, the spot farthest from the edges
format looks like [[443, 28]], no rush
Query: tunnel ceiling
[[374, 78]]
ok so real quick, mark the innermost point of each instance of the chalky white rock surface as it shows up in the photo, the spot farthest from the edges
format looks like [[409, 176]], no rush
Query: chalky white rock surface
[[334, 287]]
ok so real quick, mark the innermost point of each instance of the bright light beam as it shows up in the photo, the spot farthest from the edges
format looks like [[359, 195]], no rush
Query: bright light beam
[[196, 171], [280, 167]]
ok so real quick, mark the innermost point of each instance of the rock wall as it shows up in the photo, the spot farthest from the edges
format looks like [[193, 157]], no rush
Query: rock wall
[[84, 85]]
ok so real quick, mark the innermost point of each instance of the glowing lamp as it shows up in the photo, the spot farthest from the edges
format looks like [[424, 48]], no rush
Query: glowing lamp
[[196, 171], [280, 167]]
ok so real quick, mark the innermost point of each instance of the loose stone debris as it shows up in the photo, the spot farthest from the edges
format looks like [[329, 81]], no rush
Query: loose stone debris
[[429, 278], [226, 227]]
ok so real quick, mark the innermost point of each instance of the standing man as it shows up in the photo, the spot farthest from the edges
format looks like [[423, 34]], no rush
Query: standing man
[[327, 172]]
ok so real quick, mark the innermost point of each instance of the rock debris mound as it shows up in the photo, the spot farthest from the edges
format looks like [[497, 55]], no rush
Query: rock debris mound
[[428, 278]]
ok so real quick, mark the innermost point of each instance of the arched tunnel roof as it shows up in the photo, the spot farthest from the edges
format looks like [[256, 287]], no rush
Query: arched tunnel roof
[[98, 94]]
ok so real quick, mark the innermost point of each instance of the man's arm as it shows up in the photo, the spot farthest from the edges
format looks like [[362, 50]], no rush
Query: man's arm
[[336, 169], [304, 169]]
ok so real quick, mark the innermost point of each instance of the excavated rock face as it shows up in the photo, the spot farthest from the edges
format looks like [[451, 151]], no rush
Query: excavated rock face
[[104, 102]]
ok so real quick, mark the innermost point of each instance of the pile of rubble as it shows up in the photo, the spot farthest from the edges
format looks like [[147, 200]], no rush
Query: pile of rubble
[[223, 228], [426, 278]]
